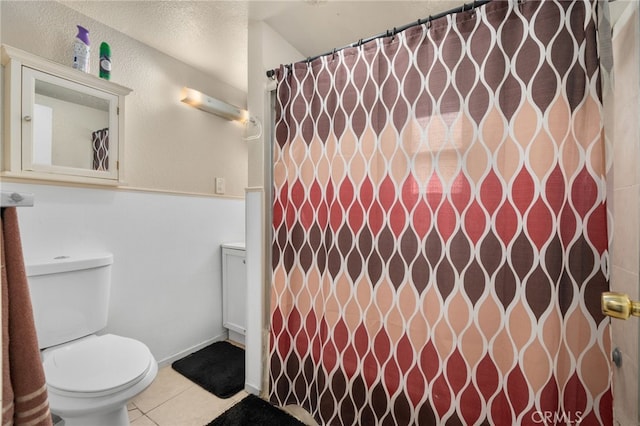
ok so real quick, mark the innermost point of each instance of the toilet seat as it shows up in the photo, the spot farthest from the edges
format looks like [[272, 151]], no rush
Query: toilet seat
[[96, 366]]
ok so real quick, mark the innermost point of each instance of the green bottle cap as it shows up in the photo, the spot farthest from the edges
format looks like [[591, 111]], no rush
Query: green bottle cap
[[105, 49]]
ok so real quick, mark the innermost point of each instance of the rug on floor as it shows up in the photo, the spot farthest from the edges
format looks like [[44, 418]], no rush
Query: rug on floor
[[253, 411], [218, 368]]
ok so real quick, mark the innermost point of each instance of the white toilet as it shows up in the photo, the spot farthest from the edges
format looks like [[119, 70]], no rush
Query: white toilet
[[90, 378]]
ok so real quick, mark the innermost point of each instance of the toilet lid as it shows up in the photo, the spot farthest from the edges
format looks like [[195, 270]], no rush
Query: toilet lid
[[97, 365]]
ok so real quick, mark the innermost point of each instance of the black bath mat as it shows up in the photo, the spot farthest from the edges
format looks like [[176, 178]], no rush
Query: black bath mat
[[218, 368], [253, 411]]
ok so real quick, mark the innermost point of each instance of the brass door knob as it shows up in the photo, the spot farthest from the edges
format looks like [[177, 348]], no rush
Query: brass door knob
[[618, 305]]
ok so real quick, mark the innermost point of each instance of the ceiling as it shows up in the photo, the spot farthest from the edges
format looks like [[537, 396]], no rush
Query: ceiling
[[199, 33]]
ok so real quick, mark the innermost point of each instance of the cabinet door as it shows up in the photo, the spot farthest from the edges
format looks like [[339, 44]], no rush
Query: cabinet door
[[60, 124], [234, 290], [68, 128]]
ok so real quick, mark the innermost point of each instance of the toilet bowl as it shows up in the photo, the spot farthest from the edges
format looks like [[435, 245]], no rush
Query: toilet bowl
[[90, 377], [90, 380]]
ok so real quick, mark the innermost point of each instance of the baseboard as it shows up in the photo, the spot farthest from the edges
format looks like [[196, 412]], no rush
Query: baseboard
[[249, 388], [169, 360], [236, 337]]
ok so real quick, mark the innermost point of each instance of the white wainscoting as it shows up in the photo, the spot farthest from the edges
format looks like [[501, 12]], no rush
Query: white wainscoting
[[255, 290], [167, 280]]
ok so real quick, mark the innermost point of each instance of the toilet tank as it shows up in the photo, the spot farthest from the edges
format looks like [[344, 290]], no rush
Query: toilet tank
[[70, 296]]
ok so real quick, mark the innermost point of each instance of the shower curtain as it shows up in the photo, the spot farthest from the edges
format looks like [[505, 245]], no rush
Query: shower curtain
[[439, 225], [100, 143]]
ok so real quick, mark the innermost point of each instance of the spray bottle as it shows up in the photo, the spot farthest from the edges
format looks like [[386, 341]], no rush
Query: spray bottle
[[81, 50], [105, 61]]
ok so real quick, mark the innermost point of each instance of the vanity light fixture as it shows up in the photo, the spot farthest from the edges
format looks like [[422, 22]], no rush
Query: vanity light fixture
[[214, 106]]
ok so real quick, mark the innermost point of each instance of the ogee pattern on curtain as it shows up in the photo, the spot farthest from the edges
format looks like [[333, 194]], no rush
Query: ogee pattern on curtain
[[100, 143], [439, 223]]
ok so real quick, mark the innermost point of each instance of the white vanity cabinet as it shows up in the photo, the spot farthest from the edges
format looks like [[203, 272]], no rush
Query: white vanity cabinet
[[234, 290], [61, 124]]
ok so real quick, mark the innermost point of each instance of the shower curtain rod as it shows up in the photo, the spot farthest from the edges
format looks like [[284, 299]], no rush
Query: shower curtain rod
[[390, 33], [15, 199]]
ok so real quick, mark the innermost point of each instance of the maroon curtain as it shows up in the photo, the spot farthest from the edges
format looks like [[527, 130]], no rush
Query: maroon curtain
[[439, 223]]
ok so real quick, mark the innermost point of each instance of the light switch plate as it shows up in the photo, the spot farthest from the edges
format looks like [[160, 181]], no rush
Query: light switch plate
[[220, 185]]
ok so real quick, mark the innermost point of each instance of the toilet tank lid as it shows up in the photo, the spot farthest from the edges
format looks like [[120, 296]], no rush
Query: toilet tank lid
[[66, 263]]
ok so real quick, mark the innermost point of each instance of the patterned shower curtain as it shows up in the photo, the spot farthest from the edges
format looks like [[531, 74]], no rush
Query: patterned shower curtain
[[439, 225], [100, 143]]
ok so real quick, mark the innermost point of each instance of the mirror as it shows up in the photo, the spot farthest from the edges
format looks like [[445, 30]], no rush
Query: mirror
[[64, 124], [66, 137], [67, 126]]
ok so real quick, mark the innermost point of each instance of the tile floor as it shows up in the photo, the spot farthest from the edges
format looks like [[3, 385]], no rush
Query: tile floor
[[173, 400]]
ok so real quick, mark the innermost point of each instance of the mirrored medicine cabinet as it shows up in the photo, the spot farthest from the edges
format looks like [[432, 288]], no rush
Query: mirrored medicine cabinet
[[61, 124]]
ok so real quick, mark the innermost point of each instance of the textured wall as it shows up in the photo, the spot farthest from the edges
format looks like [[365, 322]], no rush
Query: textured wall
[[166, 286], [168, 145], [267, 50]]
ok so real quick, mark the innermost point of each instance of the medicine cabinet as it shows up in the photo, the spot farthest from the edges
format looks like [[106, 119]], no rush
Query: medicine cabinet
[[60, 123]]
